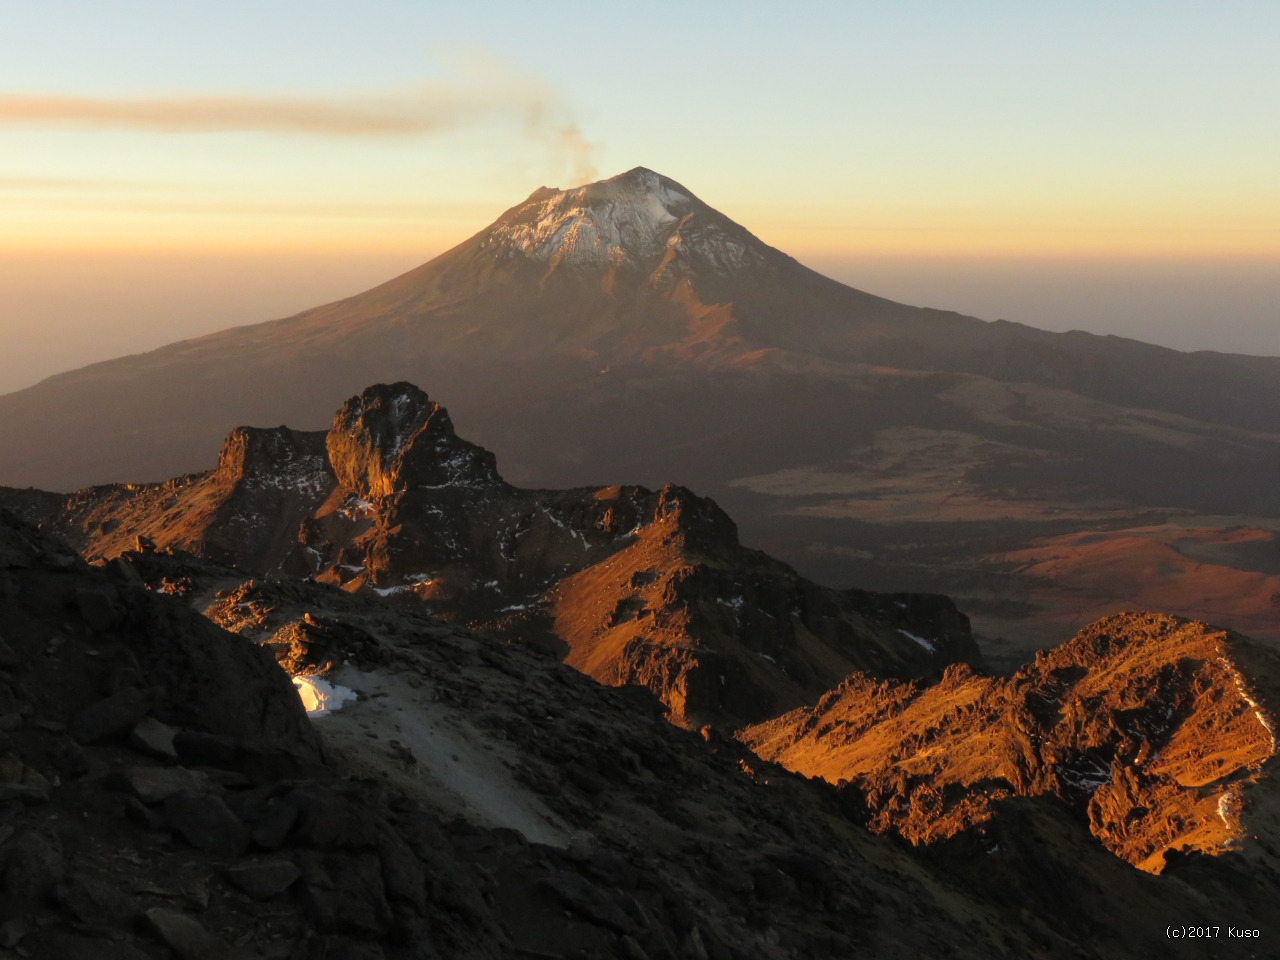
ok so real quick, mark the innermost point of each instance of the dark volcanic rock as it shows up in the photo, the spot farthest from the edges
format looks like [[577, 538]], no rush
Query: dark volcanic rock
[[99, 609], [272, 829], [629, 585], [30, 866], [260, 705], [154, 784], [263, 879], [111, 717], [98, 903], [153, 737], [267, 482], [334, 815], [186, 936], [206, 822], [345, 892], [683, 845], [393, 437]]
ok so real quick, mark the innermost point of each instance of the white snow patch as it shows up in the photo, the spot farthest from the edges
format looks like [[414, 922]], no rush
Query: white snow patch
[[1247, 698], [320, 697], [577, 535], [923, 641], [1224, 808], [1088, 779], [305, 474], [354, 508]]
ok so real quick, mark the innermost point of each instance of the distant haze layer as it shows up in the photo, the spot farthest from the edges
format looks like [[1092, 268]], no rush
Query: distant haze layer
[[1232, 306], [60, 311]]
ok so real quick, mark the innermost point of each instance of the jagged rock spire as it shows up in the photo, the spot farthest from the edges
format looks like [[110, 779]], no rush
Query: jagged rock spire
[[393, 436]]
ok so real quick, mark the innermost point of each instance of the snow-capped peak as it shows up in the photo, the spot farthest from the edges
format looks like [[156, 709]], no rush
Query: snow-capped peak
[[631, 215], [639, 217]]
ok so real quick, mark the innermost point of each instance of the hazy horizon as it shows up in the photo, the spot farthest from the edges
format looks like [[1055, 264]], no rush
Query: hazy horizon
[[121, 304]]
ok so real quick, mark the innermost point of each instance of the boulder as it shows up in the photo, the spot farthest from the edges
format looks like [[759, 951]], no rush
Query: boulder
[[263, 879], [186, 936], [111, 717], [152, 737], [97, 903], [206, 822], [155, 784], [30, 866], [345, 892]]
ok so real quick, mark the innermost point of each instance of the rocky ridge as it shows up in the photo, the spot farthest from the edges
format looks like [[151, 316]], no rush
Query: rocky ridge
[[173, 830], [166, 839], [1143, 723], [1144, 726], [627, 584]]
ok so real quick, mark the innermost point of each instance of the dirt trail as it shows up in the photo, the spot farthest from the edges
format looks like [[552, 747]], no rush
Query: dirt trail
[[424, 747]]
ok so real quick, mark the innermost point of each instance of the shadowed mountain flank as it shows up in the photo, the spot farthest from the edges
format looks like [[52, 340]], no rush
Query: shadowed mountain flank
[[629, 585]]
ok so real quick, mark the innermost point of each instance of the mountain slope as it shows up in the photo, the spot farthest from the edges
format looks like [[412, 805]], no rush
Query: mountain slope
[[118, 843], [1144, 721], [633, 270], [645, 337], [1152, 731], [627, 584]]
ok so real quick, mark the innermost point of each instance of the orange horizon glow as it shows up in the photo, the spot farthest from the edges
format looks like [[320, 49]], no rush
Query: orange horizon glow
[[391, 229], [68, 216]]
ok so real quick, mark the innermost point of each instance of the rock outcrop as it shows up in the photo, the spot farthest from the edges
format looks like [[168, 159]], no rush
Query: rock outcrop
[[1144, 723], [134, 825], [629, 585], [122, 655], [393, 438]]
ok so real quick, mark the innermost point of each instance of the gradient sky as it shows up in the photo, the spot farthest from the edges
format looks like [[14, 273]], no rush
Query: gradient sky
[[1006, 158]]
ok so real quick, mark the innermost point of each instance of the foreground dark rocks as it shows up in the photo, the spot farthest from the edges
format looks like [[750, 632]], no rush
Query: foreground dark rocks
[[219, 826]]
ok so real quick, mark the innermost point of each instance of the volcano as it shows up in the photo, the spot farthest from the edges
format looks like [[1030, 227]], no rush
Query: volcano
[[626, 331]]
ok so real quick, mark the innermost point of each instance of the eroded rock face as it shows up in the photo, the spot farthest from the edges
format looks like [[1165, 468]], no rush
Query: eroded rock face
[[720, 631], [393, 438], [258, 458], [629, 585], [1143, 722]]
